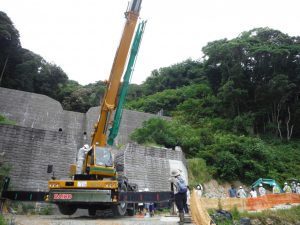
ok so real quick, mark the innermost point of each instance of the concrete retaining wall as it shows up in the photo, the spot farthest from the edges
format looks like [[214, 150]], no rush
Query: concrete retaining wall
[[150, 167]]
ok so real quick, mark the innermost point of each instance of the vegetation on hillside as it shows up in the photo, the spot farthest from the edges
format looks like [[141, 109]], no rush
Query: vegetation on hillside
[[238, 108]]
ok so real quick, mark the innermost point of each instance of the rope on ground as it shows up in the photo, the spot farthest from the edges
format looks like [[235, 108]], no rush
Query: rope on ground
[[199, 214]]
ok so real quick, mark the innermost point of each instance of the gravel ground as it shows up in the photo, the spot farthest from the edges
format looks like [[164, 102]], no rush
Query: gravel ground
[[85, 220]]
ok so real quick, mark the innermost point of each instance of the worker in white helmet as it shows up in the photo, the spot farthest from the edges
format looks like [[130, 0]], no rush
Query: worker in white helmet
[[287, 188], [241, 193], [298, 188], [80, 158], [293, 186], [275, 189], [261, 190]]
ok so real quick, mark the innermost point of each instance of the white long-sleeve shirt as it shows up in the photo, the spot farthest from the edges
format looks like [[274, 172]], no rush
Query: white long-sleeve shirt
[[261, 191]]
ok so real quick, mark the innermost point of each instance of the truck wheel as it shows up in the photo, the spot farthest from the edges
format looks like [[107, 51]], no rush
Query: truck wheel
[[66, 209], [121, 208], [130, 212], [92, 211]]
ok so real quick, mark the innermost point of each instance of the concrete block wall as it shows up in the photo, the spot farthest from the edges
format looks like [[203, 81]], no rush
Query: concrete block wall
[[28, 152], [150, 167]]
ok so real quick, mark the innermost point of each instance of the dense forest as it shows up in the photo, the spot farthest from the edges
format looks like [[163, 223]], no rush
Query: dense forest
[[235, 112]]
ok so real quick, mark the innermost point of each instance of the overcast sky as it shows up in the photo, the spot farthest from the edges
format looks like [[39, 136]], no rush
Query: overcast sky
[[81, 36]]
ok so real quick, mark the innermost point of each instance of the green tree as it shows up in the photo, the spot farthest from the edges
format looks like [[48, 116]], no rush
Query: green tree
[[9, 46]]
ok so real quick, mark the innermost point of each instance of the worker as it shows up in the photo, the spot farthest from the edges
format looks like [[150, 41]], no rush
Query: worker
[[180, 189], [261, 190], [294, 186], [199, 190], [140, 206], [80, 158], [275, 189], [287, 188], [241, 193], [188, 197], [298, 188], [147, 205], [232, 191], [253, 193]]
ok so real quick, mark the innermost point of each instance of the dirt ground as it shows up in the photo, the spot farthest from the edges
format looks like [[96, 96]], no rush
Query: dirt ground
[[85, 220]]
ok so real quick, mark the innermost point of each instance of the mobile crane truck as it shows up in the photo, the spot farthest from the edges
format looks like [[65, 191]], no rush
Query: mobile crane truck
[[97, 186]]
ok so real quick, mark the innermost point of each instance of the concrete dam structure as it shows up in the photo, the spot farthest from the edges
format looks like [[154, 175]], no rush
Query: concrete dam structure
[[45, 134]]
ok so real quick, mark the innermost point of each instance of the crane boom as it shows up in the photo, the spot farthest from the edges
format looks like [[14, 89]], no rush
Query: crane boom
[[129, 70], [110, 97]]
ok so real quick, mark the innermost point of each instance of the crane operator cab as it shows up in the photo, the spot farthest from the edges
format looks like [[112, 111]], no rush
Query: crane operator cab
[[99, 162]]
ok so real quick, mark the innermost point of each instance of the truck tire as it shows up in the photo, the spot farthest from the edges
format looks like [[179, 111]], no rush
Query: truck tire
[[66, 209], [130, 212], [92, 211], [121, 208]]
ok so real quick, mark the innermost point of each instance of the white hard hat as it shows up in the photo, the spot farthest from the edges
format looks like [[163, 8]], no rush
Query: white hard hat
[[174, 173], [241, 187], [285, 182], [86, 146], [260, 185]]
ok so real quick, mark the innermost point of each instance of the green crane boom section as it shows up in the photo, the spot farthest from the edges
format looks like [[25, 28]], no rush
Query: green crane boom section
[[127, 76]]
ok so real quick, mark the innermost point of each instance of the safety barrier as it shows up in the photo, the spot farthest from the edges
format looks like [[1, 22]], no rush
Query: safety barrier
[[250, 204], [224, 203], [271, 200]]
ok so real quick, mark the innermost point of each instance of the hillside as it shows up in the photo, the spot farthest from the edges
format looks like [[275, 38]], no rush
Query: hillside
[[236, 112], [237, 109]]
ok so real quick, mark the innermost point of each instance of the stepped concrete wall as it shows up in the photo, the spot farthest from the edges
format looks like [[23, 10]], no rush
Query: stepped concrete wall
[[41, 112], [35, 141]]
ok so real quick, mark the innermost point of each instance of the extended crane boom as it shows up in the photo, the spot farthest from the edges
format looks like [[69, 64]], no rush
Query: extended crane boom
[[133, 54], [113, 84]]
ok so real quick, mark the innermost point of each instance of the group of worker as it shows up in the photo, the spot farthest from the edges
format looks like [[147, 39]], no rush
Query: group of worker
[[146, 209], [294, 188], [241, 193]]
